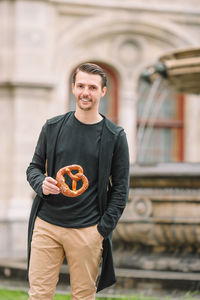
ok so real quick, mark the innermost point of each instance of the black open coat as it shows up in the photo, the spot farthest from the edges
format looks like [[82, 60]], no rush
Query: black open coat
[[113, 183]]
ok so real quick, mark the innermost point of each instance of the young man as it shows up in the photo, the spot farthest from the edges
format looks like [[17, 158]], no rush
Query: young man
[[79, 228]]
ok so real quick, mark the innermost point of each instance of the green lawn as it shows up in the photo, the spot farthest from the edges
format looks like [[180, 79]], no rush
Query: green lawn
[[19, 295]]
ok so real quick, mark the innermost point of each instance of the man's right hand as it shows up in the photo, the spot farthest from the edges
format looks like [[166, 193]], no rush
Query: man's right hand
[[49, 186]]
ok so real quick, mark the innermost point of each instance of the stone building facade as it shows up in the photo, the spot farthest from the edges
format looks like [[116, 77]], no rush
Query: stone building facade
[[41, 42]]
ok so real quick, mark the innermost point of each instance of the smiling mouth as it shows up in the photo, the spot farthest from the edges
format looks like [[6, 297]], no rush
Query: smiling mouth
[[85, 100]]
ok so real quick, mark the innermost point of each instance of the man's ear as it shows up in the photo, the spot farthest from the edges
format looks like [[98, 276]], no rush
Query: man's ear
[[104, 91], [73, 88]]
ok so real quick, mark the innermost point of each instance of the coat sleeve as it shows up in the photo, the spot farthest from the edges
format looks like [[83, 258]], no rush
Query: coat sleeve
[[118, 193], [36, 169]]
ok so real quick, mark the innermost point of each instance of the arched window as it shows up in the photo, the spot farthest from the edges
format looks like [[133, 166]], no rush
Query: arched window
[[109, 103], [160, 130]]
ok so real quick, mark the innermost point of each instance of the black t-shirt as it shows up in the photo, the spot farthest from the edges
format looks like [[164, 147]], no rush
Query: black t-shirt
[[78, 143]]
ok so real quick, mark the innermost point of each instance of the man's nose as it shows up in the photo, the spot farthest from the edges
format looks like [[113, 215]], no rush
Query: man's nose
[[86, 91]]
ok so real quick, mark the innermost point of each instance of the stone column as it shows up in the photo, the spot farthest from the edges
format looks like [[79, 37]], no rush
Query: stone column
[[192, 128], [128, 115], [25, 99]]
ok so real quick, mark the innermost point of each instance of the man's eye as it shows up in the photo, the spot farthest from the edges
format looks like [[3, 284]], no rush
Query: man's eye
[[93, 88]]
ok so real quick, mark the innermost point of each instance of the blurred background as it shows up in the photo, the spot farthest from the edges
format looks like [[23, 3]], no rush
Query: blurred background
[[41, 43]]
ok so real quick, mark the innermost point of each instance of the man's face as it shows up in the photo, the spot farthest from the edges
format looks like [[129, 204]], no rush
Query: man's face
[[88, 91]]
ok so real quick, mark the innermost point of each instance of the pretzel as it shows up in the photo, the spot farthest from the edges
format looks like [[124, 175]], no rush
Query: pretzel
[[64, 188]]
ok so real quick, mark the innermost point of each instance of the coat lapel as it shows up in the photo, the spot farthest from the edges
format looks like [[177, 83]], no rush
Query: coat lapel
[[105, 160], [53, 135]]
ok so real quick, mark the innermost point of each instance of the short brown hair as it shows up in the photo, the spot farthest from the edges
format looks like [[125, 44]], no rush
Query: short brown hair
[[91, 69]]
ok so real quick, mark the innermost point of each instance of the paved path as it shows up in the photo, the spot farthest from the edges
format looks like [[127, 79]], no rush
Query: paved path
[[148, 283]]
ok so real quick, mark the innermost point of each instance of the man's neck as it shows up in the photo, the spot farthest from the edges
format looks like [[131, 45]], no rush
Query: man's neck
[[88, 117]]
